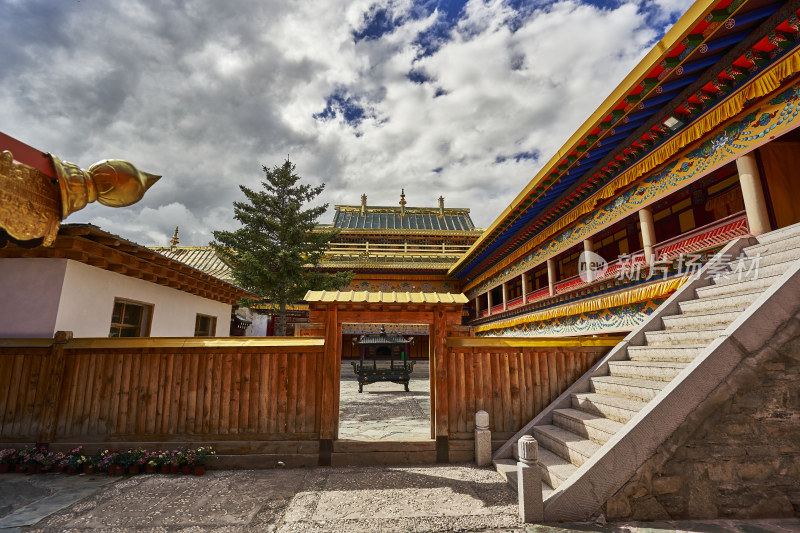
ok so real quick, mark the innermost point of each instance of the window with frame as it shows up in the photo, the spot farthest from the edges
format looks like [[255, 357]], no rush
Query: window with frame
[[130, 319], [205, 326]]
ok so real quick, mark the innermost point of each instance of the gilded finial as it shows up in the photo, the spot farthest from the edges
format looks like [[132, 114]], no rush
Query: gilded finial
[[112, 182], [363, 205], [441, 206], [175, 239], [402, 202]]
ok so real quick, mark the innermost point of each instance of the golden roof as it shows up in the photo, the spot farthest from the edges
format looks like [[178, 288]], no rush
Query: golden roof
[[203, 258]]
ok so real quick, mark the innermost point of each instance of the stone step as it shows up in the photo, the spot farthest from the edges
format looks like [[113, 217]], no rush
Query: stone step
[[565, 444], [678, 354], [685, 337], [642, 390], [555, 470], [740, 287], [773, 245], [507, 468], [588, 425], [646, 370], [780, 234], [613, 407], [746, 273], [694, 321], [734, 302], [774, 255]]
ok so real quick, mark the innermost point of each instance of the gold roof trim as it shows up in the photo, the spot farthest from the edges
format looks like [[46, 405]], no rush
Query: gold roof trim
[[385, 297], [408, 210], [168, 342]]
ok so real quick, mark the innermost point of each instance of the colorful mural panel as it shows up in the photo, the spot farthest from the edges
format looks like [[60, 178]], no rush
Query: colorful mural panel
[[622, 318]]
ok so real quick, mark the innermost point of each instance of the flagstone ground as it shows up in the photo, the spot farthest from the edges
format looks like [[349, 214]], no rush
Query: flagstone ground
[[385, 410], [420, 499]]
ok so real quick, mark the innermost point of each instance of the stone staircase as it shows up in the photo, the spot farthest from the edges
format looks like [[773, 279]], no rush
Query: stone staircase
[[593, 437]]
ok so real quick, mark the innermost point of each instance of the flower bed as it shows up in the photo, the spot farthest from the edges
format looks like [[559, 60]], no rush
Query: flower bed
[[38, 459]]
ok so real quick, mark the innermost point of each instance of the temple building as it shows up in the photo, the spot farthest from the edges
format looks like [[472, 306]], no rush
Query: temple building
[[695, 148], [398, 249], [628, 328]]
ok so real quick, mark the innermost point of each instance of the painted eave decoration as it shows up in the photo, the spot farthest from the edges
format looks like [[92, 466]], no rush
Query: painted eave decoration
[[714, 51]]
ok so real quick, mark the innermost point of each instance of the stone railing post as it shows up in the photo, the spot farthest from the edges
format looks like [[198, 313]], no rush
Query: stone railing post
[[529, 481], [483, 439]]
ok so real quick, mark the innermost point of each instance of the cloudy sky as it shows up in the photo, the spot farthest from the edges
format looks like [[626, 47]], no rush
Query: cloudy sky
[[464, 99]]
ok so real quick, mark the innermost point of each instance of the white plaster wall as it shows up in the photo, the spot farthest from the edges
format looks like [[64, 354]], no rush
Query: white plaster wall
[[259, 326], [259, 323], [29, 294], [87, 300]]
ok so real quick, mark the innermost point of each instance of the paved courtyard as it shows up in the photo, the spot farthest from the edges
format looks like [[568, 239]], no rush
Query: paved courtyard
[[385, 410], [420, 499], [366, 499]]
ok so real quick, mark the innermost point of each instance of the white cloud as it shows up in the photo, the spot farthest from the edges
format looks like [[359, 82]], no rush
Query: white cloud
[[206, 92]]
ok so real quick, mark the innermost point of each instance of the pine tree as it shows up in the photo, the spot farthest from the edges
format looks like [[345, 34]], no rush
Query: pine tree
[[275, 250]]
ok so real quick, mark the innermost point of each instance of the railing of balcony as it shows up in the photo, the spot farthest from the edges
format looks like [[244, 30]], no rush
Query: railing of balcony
[[539, 294], [398, 249], [515, 302], [715, 234]]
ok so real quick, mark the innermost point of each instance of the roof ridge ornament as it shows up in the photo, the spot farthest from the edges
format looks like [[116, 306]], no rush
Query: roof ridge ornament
[[441, 206], [363, 205], [402, 203], [112, 182], [175, 240]]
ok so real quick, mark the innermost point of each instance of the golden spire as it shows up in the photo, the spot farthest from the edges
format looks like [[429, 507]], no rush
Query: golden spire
[[441, 206], [402, 202], [175, 240], [363, 205]]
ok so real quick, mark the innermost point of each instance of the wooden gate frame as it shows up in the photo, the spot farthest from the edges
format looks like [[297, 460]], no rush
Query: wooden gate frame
[[329, 310]]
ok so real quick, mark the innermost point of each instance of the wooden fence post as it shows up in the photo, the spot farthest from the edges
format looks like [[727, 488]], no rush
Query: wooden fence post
[[439, 332], [330, 403], [47, 427]]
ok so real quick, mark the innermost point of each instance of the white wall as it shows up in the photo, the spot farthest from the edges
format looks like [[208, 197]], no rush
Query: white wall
[[259, 323], [29, 295], [87, 301]]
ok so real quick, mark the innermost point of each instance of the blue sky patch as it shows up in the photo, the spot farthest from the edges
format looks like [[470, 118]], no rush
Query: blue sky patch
[[340, 104]]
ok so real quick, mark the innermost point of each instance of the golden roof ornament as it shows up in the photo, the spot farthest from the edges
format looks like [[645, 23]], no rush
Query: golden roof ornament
[[112, 182], [174, 242], [402, 202], [33, 204], [363, 205], [441, 206]]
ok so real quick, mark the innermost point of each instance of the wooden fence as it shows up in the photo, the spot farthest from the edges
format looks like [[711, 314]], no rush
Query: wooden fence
[[511, 379], [160, 390], [259, 395]]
